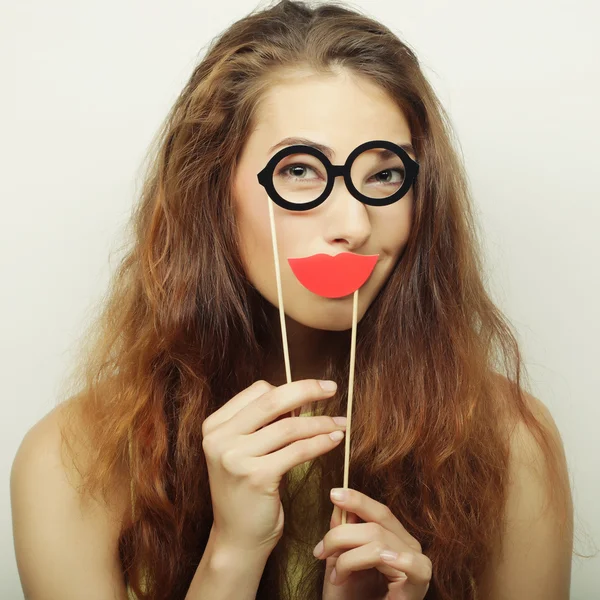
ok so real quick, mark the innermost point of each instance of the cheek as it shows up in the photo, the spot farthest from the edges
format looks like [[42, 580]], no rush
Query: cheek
[[391, 227], [252, 221], [256, 243], [256, 248]]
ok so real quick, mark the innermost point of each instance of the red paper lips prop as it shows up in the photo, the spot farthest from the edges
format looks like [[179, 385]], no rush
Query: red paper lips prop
[[333, 276]]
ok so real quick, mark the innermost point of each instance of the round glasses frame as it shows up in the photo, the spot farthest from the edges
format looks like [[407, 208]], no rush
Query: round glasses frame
[[265, 177]]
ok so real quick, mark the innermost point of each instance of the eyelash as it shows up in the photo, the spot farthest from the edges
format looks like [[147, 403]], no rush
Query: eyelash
[[288, 167]]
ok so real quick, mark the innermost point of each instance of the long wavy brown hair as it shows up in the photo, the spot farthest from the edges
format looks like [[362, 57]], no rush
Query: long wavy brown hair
[[438, 375]]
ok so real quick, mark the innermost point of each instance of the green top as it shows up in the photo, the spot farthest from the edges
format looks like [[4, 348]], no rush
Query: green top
[[298, 555]]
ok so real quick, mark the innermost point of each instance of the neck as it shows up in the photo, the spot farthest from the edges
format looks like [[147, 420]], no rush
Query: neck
[[306, 353]]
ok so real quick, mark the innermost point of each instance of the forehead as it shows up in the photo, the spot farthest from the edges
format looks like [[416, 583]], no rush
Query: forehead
[[341, 110]]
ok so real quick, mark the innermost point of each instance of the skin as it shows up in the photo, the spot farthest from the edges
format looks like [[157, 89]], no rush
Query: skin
[[319, 108], [532, 563], [534, 560]]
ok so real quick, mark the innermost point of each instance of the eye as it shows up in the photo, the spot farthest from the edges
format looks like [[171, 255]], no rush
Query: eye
[[294, 171], [387, 173]]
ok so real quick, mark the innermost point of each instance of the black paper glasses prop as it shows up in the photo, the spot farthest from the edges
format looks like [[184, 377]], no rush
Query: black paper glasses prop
[[300, 178]]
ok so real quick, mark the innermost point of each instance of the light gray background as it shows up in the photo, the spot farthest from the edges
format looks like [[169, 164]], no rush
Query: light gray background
[[86, 84]]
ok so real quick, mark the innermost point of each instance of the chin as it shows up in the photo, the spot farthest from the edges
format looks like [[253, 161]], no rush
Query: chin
[[327, 314], [325, 324]]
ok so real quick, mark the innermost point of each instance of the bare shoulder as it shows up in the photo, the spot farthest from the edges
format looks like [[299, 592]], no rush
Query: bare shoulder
[[533, 560], [64, 549], [526, 452]]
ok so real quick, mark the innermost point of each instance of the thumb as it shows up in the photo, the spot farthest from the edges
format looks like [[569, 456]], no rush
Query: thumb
[[336, 517]]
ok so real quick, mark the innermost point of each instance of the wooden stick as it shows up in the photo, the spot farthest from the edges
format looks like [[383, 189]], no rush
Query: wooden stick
[[350, 391], [288, 371], [286, 356]]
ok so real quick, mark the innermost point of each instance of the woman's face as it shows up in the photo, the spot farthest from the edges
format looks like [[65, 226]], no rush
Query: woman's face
[[341, 112]]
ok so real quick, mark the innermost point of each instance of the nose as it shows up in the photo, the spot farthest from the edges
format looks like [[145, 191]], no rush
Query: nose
[[348, 219]]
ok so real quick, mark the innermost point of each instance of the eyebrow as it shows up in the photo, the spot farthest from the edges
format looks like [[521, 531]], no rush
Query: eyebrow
[[326, 150]]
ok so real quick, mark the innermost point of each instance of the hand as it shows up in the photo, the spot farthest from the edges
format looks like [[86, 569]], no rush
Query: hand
[[352, 553], [248, 449]]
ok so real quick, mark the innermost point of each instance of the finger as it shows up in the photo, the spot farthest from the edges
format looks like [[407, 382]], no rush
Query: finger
[[336, 517], [363, 558], [296, 453], [372, 511], [415, 565], [264, 409], [353, 535], [233, 406], [276, 435]]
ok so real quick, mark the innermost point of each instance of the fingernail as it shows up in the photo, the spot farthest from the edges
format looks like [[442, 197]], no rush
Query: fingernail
[[318, 549], [388, 555], [340, 420], [336, 436], [328, 385], [338, 494]]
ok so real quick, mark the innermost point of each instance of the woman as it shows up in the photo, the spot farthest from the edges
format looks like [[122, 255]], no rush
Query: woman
[[180, 429]]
